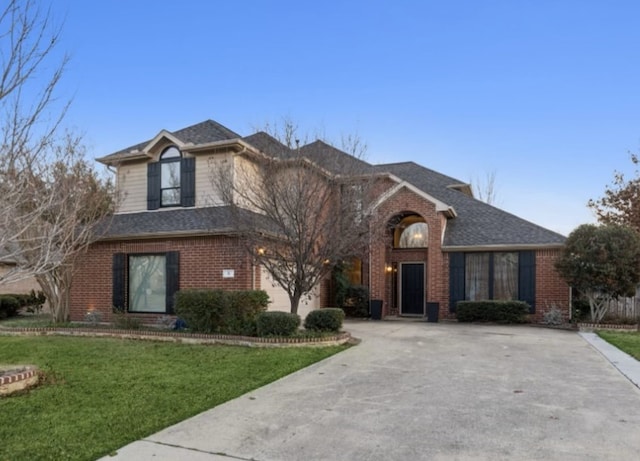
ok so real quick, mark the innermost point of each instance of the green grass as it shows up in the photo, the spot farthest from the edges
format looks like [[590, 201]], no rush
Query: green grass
[[100, 394], [625, 341], [27, 321]]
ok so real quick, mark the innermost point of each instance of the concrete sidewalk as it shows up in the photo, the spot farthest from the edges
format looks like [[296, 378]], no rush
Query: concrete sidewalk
[[424, 391]]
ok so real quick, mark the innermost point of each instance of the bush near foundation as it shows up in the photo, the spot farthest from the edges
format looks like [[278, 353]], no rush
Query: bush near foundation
[[220, 311], [9, 306], [356, 301], [327, 319], [492, 311], [32, 302], [276, 323]]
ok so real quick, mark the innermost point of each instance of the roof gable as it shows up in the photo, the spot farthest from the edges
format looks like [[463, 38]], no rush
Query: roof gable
[[200, 133], [477, 224]]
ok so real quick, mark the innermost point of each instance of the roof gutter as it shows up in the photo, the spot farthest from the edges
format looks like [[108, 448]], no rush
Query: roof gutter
[[503, 247]]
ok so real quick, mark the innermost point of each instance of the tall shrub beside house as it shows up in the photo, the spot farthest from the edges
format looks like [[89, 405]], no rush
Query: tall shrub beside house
[[603, 263]]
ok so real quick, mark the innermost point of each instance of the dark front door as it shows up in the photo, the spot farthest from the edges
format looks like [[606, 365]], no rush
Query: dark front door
[[412, 289]]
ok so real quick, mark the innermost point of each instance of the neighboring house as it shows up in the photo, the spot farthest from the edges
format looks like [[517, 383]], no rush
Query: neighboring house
[[25, 285], [172, 231]]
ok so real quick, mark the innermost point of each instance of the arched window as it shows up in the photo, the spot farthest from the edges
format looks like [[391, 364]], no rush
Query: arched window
[[170, 177], [414, 236], [411, 232]]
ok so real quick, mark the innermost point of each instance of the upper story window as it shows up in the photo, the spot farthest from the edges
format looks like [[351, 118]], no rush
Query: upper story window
[[170, 177], [171, 181]]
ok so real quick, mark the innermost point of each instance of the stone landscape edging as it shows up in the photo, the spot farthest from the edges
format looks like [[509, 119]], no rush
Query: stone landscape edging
[[606, 326], [185, 338]]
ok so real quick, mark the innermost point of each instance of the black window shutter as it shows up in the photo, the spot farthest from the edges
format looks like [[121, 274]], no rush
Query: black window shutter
[[456, 279], [153, 186], [118, 295], [527, 279], [173, 278], [188, 181]]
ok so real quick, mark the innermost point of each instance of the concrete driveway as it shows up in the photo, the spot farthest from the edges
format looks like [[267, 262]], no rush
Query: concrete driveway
[[421, 391]]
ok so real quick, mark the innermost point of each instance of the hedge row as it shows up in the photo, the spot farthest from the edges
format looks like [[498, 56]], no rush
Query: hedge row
[[221, 312], [492, 311]]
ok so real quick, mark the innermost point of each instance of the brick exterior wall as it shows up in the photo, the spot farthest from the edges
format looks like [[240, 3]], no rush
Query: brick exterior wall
[[383, 254], [551, 290], [202, 260]]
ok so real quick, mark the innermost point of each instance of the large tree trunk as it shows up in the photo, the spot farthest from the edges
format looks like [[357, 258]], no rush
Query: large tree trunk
[[56, 289], [598, 306]]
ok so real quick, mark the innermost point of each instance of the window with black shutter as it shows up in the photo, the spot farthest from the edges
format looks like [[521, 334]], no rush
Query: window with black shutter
[[146, 282], [478, 276], [171, 181]]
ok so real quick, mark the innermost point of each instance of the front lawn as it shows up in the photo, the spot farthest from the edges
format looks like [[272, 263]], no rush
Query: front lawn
[[100, 394], [625, 341]]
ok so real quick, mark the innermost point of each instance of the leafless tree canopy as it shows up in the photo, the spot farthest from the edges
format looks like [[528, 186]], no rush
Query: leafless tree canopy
[[300, 209], [485, 189], [51, 200]]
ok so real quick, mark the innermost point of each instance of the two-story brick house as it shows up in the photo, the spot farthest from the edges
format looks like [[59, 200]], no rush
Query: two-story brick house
[[173, 231]]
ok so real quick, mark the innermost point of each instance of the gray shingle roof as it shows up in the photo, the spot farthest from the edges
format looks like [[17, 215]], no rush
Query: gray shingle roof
[[267, 144], [200, 133], [477, 223], [333, 159], [210, 220]]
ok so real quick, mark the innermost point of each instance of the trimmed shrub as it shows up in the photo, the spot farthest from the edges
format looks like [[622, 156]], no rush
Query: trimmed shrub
[[276, 323], [327, 319], [356, 301], [492, 311], [219, 311], [9, 306]]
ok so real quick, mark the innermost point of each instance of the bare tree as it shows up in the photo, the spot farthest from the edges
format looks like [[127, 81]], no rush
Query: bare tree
[[485, 188], [299, 209], [29, 123], [65, 206], [51, 200]]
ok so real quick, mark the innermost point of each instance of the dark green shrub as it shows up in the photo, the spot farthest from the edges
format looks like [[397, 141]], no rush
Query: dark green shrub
[[276, 323], [356, 301], [9, 306], [492, 311], [581, 309], [219, 311], [327, 319]]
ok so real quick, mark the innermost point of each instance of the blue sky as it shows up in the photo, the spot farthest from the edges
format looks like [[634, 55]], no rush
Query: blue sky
[[543, 92]]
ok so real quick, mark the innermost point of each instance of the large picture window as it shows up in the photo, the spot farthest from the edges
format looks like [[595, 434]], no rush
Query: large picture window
[[147, 283], [476, 276], [491, 276]]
